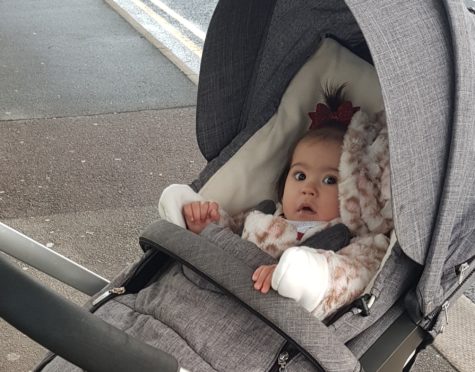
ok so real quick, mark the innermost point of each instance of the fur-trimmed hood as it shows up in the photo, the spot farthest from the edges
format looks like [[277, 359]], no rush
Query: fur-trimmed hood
[[364, 186]]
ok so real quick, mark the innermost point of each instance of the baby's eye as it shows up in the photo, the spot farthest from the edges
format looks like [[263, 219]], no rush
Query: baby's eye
[[330, 180], [299, 176]]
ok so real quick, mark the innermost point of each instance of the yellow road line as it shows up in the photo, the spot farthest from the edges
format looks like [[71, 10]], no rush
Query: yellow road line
[[172, 30], [189, 25]]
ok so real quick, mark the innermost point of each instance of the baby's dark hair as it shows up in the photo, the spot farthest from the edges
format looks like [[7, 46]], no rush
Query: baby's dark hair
[[328, 130]]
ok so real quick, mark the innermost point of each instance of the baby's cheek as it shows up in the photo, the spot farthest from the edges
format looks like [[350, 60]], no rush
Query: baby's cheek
[[332, 210]]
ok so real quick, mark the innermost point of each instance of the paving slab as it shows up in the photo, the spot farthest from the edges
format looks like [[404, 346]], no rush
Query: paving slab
[[457, 342], [430, 360], [94, 162]]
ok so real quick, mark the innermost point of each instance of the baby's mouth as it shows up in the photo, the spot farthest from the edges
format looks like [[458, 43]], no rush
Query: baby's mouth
[[306, 210]]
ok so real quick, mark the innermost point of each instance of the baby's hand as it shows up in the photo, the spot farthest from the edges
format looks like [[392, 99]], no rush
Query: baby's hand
[[198, 215], [262, 277]]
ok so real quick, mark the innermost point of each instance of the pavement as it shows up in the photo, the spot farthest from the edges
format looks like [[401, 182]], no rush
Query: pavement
[[95, 120]]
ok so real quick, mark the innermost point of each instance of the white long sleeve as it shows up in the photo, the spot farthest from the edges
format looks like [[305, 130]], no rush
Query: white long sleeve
[[175, 197], [324, 281], [172, 200], [302, 274]]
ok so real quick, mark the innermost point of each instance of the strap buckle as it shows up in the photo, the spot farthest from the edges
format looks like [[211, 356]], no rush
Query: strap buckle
[[364, 304]]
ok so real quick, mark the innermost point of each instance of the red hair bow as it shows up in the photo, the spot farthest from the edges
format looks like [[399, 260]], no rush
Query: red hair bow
[[322, 113]]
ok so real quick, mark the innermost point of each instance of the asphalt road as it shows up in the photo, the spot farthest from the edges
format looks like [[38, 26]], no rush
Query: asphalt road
[[76, 58]]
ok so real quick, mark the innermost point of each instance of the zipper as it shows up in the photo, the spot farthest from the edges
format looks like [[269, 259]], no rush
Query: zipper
[[286, 354], [445, 309], [462, 278], [433, 316], [126, 284], [282, 361], [107, 295], [150, 255], [460, 270]]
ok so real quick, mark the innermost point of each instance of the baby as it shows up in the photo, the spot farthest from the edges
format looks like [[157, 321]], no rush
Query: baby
[[320, 280], [307, 190]]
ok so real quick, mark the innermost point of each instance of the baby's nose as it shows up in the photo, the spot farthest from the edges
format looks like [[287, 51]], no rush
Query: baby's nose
[[310, 191]]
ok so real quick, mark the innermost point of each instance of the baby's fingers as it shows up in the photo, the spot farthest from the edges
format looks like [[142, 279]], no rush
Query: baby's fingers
[[214, 211], [259, 278], [196, 208], [204, 210], [188, 213], [266, 282], [256, 274], [262, 278]]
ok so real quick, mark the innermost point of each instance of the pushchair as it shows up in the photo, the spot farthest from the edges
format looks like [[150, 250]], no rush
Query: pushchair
[[254, 51]]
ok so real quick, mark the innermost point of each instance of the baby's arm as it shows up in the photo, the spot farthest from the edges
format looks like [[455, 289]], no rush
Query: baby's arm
[[323, 281], [198, 215], [173, 200]]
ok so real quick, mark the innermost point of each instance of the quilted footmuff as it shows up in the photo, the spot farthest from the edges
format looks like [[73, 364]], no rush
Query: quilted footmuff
[[203, 328], [173, 308]]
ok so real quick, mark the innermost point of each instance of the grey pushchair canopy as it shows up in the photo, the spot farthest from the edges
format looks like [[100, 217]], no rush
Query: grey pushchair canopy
[[186, 287]]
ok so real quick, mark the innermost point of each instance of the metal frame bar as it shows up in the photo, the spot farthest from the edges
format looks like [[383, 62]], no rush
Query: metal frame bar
[[48, 261], [70, 330], [395, 347]]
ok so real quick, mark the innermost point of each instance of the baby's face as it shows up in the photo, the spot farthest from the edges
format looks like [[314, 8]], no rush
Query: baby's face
[[311, 187]]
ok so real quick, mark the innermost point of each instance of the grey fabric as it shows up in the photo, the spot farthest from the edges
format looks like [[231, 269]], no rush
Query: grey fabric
[[201, 325], [243, 250], [454, 232], [414, 68], [299, 364], [426, 69], [226, 73], [237, 261], [205, 331], [199, 281], [397, 276], [332, 239]]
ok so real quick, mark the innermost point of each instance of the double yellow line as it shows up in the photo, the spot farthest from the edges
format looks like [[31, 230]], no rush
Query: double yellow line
[[187, 42]]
